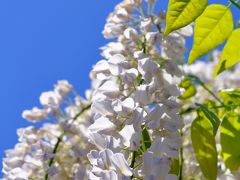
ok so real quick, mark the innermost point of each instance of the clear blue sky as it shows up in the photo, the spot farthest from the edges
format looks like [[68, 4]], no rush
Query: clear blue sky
[[42, 42]]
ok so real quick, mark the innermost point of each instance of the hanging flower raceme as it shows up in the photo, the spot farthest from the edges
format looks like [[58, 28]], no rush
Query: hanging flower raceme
[[135, 94], [56, 150]]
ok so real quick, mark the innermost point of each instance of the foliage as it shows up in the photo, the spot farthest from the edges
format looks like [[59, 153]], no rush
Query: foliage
[[213, 25], [182, 13], [230, 54], [204, 146]]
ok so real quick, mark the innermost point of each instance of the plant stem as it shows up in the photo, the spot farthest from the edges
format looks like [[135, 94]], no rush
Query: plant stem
[[60, 138], [210, 92], [197, 80], [235, 3], [134, 153], [149, 9], [181, 160]]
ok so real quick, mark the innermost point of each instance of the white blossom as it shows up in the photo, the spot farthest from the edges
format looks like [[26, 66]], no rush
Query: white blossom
[[63, 87], [35, 114]]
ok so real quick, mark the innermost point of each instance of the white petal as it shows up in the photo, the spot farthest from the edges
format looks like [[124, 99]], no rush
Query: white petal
[[131, 34], [50, 99], [115, 64], [130, 138], [102, 106], [152, 38], [121, 165], [110, 88], [97, 140], [142, 96], [106, 156], [35, 114], [124, 107], [186, 31], [93, 157], [102, 125], [108, 175]]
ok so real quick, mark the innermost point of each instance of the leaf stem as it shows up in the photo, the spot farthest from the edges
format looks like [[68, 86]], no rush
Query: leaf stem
[[192, 109], [197, 80], [134, 153], [210, 92], [181, 160], [60, 138], [235, 3]]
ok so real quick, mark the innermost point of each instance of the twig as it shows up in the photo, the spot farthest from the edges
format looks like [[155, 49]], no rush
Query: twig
[[60, 138]]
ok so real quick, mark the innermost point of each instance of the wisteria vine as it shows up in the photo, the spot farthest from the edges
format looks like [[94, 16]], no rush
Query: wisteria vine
[[132, 124]]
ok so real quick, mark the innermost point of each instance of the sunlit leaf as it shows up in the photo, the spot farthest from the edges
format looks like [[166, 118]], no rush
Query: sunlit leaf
[[230, 97], [230, 54], [210, 104], [230, 140], [214, 107], [189, 87], [211, 116], [204, 146], [212, 28], [182, 12]]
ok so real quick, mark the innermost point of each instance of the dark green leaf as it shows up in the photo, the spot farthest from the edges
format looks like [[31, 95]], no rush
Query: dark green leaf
[[145, 141], [174, 167]]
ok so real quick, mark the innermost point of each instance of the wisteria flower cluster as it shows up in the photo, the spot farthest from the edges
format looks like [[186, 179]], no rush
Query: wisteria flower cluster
[[129, 125], [133, 93]]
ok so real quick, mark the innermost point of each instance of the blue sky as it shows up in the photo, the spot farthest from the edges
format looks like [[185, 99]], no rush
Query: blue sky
[[42, 42]]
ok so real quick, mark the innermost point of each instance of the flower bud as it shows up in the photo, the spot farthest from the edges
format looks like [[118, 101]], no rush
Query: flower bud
[[131, 34], [146, 24], [35, 115], [152, 38]]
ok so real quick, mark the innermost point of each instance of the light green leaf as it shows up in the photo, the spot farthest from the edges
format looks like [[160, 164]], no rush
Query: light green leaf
[[212, 28], [231, 97], [211, 116], [230, 54], [230, 140], [182, 12], [189, 87], [204, 146]]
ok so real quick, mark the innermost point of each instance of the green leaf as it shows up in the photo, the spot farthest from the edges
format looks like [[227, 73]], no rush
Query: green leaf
[[174, 167], [145, 141], [146, 138], [211, 116], [230, 140], [212, 28], [231, 97], [204, 146], [230, 54], [214, 107], [235, 3], [210, 104], [182, 12], [189, 87]]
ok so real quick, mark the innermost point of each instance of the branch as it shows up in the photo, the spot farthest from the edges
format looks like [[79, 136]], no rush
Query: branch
[[60, 138]]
